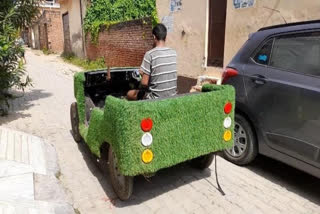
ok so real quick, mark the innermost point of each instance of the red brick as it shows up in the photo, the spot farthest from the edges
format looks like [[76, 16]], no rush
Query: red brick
[[122, 44]]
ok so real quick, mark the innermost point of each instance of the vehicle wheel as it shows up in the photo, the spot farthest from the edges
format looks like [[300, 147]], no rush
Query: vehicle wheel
[[202, 162], [102, 162], [245, 147], [75, 122], [122, 185]]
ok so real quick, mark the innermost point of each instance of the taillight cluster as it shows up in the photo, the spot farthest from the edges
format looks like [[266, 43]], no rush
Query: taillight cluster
[[227, 136], [228, 73], [146, 140]]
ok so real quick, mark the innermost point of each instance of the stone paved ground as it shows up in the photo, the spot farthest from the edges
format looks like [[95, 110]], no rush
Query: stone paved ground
[[266, 186]]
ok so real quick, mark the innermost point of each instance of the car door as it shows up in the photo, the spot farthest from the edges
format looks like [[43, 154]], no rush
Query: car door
[[287, 95]]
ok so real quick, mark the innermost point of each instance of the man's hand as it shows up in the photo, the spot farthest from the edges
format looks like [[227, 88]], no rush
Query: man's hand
[[108, 74], [141, 72]]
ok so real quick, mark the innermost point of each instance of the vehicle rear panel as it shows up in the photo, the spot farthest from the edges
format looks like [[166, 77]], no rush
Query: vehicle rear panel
[[184, 128]]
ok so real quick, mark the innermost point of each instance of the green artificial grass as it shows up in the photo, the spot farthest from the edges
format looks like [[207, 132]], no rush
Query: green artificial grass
[[184, 127]]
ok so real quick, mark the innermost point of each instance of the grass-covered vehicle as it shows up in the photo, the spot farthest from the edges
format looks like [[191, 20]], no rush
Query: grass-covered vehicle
[[142, 137]]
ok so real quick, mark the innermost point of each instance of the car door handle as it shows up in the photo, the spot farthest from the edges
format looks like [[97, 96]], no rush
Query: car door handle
[[259, 79]]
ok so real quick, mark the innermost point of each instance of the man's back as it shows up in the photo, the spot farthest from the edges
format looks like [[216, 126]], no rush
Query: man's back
[[160, 64]]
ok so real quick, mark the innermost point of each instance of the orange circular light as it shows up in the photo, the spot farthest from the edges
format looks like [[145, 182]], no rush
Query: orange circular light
[[147, 156], [146, 125], [228, 108], [227, 136]]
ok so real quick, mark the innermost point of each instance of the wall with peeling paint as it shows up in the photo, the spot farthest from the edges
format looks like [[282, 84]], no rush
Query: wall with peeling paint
[[76, 34], [189, 32]]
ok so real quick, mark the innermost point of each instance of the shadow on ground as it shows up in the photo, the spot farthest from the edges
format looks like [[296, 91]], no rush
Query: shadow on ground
[[147, 188], [172, 178], [20, 102], [288, 177]]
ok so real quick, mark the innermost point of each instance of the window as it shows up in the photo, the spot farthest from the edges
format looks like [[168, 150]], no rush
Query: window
[[263, 56], [298, 53]]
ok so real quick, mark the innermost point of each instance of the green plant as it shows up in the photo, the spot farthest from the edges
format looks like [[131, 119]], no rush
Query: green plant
[[47, 51], [84, 63], [104, 13], [14, 15]]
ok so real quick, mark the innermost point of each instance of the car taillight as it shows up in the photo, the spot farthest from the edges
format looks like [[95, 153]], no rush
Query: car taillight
[[228, 108], [228, 73], [146, 140], [146, 124]]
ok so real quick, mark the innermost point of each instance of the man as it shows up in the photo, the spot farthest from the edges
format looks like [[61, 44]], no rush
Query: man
[[158, 70]]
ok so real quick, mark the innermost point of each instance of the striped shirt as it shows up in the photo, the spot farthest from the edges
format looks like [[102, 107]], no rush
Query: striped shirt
[[161, 66]]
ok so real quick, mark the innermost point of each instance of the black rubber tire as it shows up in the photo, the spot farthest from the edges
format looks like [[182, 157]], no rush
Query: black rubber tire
[[103, 160], [123, 191], [202, 162], [251, 150], [74, 117]]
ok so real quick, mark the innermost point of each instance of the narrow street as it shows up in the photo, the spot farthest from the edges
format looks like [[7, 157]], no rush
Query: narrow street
[[266, 186]]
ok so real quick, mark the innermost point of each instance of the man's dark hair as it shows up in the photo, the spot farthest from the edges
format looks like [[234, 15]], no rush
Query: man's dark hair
[[160, 32]]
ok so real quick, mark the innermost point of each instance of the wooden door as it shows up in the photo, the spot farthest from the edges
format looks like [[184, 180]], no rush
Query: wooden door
[[66, 33], [44, 37], [217, 26]]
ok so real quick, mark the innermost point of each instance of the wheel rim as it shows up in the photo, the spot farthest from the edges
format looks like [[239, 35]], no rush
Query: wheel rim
[[240, 141], [120, 179]]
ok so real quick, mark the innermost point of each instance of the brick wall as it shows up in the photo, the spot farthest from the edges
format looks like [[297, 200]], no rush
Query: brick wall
[[55, 30], [123, 44], [48, 31]]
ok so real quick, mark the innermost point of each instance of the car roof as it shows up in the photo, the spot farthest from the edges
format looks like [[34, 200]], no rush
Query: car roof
[[255, 39], [289, 27], [301, 24]]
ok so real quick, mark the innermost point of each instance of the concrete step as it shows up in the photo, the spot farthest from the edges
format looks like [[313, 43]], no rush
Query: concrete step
[[23, 148], [10, 168], [28, 184], [11, 206], [17, 187]]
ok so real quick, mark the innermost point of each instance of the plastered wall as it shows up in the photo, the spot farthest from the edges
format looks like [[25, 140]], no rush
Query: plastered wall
[[73, 9], [189, 30]]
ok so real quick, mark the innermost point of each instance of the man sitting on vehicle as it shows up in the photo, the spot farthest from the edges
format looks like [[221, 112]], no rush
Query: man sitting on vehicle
[[158, 70]]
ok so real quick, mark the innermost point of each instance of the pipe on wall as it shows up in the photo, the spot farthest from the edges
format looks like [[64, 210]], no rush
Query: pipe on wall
[[205, 58], [83, 33]]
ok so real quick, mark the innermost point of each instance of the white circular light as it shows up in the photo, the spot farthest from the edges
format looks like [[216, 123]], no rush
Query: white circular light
[[227, 122], [146, 139]]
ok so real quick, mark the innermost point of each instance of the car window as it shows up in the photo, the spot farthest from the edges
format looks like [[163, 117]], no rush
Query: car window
[[263, 55], [298, 53]]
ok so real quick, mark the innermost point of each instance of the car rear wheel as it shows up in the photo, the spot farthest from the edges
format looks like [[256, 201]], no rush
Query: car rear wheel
[[202, 162], [245, 147], [74, 117], [122, 185]]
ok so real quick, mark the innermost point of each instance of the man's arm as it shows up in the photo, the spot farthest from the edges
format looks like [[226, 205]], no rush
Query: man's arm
[[145, 80]]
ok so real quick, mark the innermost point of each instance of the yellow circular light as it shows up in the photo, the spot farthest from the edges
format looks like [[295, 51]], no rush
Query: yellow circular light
[[147, 156], [227, 135]]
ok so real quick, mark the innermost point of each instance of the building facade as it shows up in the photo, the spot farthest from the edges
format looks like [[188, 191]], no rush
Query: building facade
[[46, 31], [208, 33], [73, 13]]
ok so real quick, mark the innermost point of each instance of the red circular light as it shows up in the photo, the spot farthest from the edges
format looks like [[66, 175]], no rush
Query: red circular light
[[146, 125], [228, 108]]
